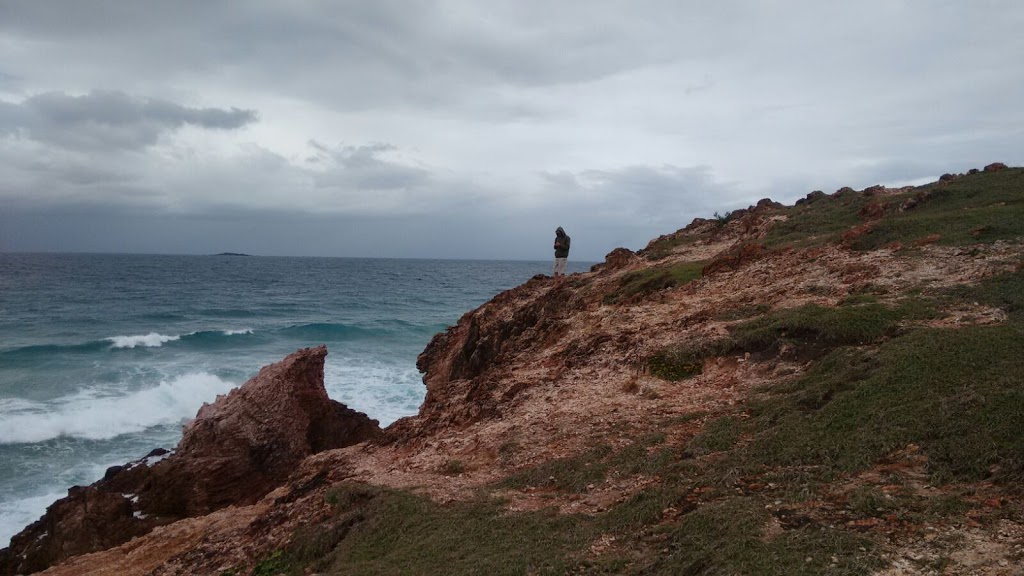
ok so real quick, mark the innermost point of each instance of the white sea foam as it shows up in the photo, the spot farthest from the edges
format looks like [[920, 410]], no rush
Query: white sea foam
[[91, 415], [383, 391], [237, 332], [151, 340], [16, 514]]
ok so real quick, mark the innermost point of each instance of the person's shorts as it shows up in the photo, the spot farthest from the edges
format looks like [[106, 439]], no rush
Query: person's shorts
[[560, 266]]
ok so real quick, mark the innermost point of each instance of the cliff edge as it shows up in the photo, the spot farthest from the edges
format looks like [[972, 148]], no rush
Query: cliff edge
[[832, 387]]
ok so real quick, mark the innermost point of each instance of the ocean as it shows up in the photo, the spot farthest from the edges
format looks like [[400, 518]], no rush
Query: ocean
[[104, 357]]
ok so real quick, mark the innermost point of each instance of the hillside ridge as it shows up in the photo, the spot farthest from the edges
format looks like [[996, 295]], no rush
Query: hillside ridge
[[829, 387]]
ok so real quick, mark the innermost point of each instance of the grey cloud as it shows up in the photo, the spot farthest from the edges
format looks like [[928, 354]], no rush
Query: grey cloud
[[647, 195], [362, 169], [362, 55], [110, 119], [501, 118], [9, 82]]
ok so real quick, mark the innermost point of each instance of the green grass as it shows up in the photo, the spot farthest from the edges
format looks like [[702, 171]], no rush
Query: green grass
[[660, 249], [276, 563], [677, 363], [718, 435], [811, 329], [820, 222], [958, 393], [978, 208], [654, 279], [564, 474], [397, 532], [820, 325], [728, 538], [380, 531], [742, 312], [453, 467]]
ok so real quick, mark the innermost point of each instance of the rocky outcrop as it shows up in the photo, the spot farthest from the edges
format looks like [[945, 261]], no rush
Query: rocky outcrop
[[735, 258], [617, 259], [234, 452], [465, 366]]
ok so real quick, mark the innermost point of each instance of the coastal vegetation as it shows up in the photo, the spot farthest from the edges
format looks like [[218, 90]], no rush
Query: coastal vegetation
[[901, 425], [836, 390]]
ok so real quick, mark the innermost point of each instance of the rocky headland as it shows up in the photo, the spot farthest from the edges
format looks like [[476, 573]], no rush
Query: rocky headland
[[832, 387]]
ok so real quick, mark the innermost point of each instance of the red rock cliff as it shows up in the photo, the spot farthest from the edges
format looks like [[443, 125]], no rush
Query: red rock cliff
[[235, 451]]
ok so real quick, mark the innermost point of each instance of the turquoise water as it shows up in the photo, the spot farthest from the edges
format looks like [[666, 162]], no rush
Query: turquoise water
[[104, 357]]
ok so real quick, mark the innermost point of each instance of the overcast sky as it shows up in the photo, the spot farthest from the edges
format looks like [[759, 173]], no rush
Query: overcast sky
[[472, 129]]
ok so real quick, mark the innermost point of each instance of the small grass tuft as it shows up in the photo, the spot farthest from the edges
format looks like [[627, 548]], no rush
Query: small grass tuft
[[571, 475], [651, 280], [676, 364], [718, 435], [453, 467], [276, 563]]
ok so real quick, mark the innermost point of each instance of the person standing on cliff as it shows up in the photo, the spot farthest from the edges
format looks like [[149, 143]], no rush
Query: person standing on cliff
[[561, 254]]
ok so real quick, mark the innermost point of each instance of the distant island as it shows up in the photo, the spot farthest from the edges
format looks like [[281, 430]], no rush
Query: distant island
[[232, 254]]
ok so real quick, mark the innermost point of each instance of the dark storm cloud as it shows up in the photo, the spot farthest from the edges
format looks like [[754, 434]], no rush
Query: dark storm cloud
[[109, 119]]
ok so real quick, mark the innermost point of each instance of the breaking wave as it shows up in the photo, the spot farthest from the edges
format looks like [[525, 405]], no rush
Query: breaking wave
[[92, 415], [151, 340]]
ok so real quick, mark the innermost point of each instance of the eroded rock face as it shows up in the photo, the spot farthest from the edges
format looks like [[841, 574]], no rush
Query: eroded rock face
[[235, 451], [463, 366]]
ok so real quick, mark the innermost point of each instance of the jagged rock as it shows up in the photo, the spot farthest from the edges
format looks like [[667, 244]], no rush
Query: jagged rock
[[737, 214], [735, 258], [929, 239], [617, 259], [850, 236], [234, 452], [695, 228], [946, 177], [874, 190], [768, 203], [916, 200], [973, 171], [872, 210], [463, 366], [811, 197], [995, 167], [844, 191]]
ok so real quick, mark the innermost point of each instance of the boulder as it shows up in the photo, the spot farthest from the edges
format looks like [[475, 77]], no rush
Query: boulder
[[872, 210], [234, 452], [765, 203], [735, 258], [617, 259], [812, 197], [995, 167]]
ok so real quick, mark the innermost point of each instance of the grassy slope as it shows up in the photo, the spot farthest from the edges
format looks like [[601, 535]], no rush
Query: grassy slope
[[953, 396]]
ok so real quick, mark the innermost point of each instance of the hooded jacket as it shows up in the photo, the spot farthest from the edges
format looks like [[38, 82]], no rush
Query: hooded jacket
[[561, 243]]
